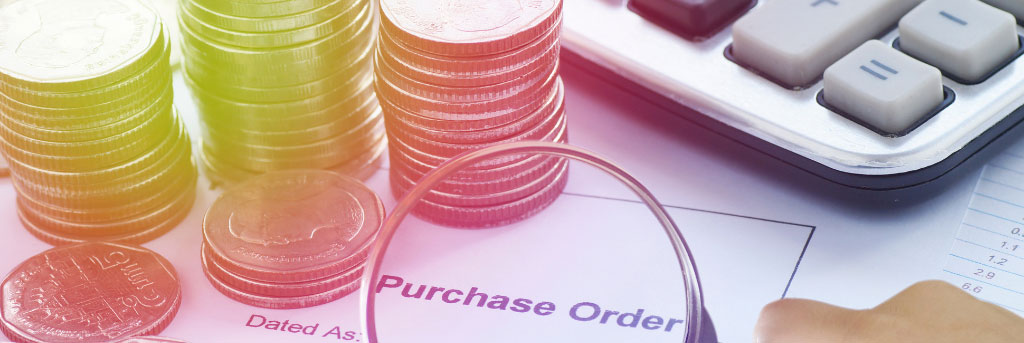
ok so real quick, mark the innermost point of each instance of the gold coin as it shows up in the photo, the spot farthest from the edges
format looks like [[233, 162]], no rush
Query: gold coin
[[267, 24], [341, 21]]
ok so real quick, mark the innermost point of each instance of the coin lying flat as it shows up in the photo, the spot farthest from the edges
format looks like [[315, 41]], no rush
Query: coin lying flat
[[290, 239], [280, 302], [61, 46], [468, 27], [272, 289], [293, 225], [90, 292], [96, 150]]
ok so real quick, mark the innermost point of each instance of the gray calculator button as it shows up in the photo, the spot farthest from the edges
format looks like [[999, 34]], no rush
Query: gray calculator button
[[883, 87], [1015, 7], [966, 39], [793, 41]]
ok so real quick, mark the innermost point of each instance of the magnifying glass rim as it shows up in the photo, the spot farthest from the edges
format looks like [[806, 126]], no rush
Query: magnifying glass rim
[[371, 271]]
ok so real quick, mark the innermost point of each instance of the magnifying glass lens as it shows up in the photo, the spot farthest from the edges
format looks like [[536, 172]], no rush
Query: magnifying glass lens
[[586, 269]]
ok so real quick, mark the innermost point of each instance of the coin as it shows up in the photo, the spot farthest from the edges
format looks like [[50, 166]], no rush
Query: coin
[[527, 79], [69, 124], [104, 51], [360, 167], [131, 172], [354, 136], [468, 27], [276, 302], [472, 71], [89, 292], [69, 133], [551, 116], [152, 125], [151, 217], [266, 24], [331, 156], [339, 22], [497, 110], [290, 115], [294, 289], [88, 199], [519, 189], [397, 122], [156, 69], [56, 238], [485, 216], [556, 130], [345, 124], [479, 182], [293, 226], [342, 78], [250, 9], [116, 152], [223, 55], [106, 214]]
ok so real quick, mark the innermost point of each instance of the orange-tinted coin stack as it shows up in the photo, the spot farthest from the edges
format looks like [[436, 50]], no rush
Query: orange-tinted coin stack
[[458, 79], [290, 239]]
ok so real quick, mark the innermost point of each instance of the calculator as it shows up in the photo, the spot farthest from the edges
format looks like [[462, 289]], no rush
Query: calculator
[[871, 94]]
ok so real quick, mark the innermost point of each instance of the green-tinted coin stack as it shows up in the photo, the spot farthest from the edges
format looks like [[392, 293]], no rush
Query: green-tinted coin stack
[[283, 85], [88, 125]]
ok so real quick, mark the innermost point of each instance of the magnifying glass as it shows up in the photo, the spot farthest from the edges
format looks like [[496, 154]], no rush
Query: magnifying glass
[[446, 283]]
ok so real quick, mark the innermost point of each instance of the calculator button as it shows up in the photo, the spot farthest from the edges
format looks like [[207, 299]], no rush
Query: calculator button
[[793, 41], [966, 39], [883, 87], [1015, 7], [691, 18]]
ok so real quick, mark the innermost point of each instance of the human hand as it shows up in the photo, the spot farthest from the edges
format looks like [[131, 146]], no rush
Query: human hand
[[930, 311]]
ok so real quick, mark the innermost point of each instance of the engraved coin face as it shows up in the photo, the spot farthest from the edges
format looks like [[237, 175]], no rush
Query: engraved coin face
[[64, 40], [293, 221], [90, 292], [468, 21]]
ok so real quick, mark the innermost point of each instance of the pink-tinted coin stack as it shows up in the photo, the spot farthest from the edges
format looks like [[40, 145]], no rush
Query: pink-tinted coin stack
[[454, 77]]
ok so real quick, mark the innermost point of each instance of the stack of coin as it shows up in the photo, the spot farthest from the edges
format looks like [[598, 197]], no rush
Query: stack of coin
[[89, 292], [457, 79], [283, 85], [95, 147], [290, 239]]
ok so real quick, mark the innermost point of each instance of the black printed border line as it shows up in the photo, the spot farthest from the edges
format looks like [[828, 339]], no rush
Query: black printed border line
[[803, 251], [796, 267]]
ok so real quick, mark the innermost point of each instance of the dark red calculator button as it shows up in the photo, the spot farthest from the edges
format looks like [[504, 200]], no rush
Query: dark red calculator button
[[692, 19]]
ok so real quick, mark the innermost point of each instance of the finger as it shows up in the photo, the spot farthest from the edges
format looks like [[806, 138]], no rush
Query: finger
[[804, 321]]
